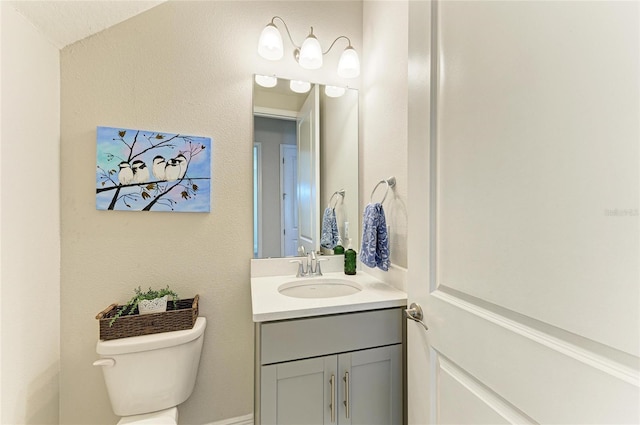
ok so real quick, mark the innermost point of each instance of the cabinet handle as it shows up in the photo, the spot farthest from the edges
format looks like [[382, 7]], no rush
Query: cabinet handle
[[333, 398], [346, 392]]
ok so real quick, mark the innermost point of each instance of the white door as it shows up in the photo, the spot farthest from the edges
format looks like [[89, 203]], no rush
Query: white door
[[526, 260], [308, 134], [288, 200]]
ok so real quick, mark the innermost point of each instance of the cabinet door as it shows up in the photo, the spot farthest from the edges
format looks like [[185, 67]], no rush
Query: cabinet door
[[370, 386], [298, 392]]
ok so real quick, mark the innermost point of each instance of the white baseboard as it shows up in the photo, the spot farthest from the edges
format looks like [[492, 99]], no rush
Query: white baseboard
[[240, 420]]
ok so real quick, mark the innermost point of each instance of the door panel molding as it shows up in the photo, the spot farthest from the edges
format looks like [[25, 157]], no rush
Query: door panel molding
[[530, 328], [484, 397], [529, 374]]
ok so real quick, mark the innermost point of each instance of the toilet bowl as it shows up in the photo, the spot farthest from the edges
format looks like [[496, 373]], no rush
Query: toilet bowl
[[148, 376]]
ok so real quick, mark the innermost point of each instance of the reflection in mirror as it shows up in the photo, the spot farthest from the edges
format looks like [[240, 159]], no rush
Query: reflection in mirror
[[305, 149]]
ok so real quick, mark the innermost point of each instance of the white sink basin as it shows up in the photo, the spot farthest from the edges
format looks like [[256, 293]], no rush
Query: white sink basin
[[319, 288]]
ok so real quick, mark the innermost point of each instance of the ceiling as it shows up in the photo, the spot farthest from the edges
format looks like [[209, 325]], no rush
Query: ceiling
[[66, 21]]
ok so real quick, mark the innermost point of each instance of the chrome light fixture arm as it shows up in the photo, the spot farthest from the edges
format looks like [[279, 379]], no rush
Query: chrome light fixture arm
[[296, 51], [334, 42]]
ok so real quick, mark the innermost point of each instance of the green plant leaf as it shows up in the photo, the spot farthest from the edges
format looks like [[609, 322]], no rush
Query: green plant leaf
[[151, 294]]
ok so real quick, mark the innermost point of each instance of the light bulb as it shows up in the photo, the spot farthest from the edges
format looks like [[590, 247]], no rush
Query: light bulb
[[310, 53], [334, 91], [266, 80], [270, 43], [300, 86], [349, 65]]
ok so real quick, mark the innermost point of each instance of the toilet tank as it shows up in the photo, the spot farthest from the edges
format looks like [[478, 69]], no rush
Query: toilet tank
[[151, 372]]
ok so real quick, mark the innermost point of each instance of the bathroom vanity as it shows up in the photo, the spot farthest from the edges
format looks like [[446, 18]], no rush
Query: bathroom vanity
[[331, 359]]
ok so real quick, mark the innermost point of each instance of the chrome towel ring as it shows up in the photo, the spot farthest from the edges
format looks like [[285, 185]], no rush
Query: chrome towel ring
[[335, 194], [391, 183]]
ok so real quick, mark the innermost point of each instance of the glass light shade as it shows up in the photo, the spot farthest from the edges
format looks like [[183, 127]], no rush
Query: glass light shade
[[300, 86], [333, 91], [270, 43], [310, 53], [266, 80], [349, 65]]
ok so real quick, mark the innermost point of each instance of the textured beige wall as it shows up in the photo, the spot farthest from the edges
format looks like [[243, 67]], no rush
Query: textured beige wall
[[384, 110], [181, 67], [30, 272]]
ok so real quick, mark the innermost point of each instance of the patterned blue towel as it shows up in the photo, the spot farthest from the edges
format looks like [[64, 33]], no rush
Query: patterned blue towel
[[329, 237], [375, 241]]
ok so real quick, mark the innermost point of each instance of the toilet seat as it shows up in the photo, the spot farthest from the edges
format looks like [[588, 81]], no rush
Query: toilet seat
[[161, 417]]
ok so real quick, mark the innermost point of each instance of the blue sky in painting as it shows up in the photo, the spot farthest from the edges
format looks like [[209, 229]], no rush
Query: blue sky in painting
[[113, 149]]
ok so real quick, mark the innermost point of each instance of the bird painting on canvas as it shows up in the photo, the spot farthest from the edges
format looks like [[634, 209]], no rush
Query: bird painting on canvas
[[152, 171]]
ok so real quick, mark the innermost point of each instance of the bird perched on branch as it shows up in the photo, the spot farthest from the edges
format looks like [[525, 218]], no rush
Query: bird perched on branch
[[183, 165], [159, 165], [176, 168], [140, 171], [172, 170], [125, 176]]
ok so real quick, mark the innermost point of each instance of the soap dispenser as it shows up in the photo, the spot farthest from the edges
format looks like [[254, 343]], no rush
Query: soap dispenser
[[350, 257]]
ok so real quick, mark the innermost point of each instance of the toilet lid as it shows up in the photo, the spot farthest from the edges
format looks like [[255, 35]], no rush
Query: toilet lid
[[147, 421], [163, 417]]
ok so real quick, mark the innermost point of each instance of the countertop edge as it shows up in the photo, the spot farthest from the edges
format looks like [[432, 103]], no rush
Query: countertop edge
[[325, 311]]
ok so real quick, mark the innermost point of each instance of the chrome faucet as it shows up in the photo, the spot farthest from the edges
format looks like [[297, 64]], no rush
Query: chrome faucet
[[311, 258], [301, 271], [312, 267]]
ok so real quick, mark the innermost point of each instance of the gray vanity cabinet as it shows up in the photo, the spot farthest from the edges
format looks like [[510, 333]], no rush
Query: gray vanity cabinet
[[341, 369], [375, 386], [298, 392]]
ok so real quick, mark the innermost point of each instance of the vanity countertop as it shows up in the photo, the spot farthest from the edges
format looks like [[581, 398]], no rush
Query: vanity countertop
[[268, 304]]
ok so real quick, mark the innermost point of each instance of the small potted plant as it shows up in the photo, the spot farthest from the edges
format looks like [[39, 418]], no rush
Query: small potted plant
[[151, 301]]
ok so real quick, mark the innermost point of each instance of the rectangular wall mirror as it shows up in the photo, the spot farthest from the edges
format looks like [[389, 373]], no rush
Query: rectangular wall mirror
[[305, 152]]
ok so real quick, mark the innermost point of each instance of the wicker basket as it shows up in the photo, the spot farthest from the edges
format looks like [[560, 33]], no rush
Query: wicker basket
[[182, 317]]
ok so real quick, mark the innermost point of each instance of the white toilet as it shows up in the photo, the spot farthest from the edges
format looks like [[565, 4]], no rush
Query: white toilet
[[148, 376]]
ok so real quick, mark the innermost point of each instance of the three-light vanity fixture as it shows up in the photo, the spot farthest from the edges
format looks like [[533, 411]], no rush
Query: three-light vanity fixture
[[308, 55]]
